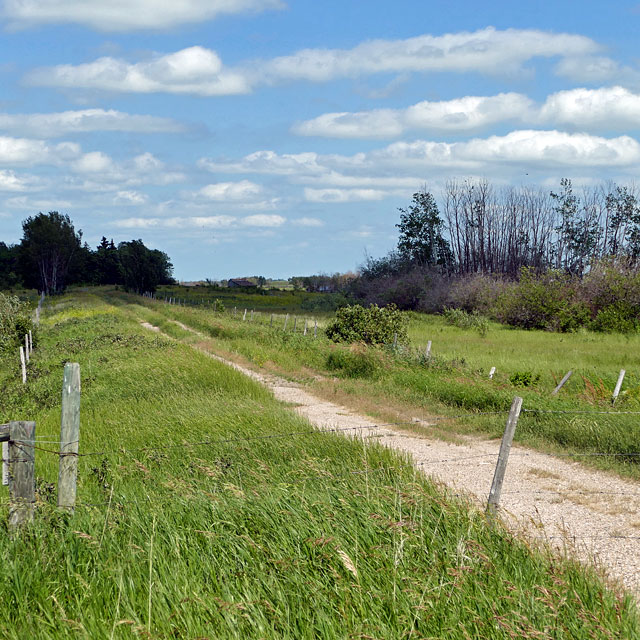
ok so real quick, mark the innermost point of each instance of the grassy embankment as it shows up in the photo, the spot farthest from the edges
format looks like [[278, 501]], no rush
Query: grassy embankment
[[455, 380], [250, 536]]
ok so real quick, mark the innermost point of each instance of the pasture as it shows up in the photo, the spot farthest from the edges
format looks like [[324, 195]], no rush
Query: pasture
[[208, 510]]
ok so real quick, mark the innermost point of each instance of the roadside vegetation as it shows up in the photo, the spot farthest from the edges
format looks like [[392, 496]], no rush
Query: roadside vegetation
[[453, 380], [261, 527]]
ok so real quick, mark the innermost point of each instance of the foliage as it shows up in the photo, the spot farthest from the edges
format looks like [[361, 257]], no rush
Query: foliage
[[547, 302], [524, 379], [15, 322], [372, 325], [356, 361], [464, 320], [49, 244], [143, 269], [421, 239]]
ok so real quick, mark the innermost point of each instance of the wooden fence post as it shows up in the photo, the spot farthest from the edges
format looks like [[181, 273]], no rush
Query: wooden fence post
[[30, 341], [562, 383], [69, 437], [295, 323], [244, 315], [616, 391], [271, 323], [503, 456], [305, 327], [26, 347], [24, 366], [286, 319], [315, 329], [427, 351], [491, 373], [22, 477]]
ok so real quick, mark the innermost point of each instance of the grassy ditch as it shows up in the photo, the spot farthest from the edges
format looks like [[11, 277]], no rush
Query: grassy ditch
[[455, 379], [211, 511]]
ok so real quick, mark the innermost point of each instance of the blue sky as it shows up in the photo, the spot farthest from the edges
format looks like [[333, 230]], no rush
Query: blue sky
[[279, 138]]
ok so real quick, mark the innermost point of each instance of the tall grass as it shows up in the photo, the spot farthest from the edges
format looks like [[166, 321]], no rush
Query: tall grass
[[251, 535]]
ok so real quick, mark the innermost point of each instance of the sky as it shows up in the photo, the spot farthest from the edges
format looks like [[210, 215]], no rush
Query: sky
[[280, 137]]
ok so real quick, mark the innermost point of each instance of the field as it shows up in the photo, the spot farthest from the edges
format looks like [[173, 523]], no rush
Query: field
[[455, 381], [208, 510]]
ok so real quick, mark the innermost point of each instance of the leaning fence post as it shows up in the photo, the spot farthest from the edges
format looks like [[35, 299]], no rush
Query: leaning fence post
[[616, 391], [24, 366], [22, 477], [561, 383], [503, 456], [69, 437]]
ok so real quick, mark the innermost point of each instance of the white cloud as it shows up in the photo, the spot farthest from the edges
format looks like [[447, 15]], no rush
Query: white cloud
[[605, 108], [204, 222], [30, 152], [596, 69], [127, 15], [9, 181], [307, 222], [131, 198], [487, 50], [53, 125], [462, 114], [93, 162], [343, 195], [234, 191], [195, 71]]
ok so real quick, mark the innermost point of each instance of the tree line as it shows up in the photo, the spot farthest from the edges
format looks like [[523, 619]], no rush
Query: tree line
[[51, 255]]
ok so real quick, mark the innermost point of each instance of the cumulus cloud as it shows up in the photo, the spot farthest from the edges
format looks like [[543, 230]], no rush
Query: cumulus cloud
[[203, 222], [30, 152], [343, 195], [53, 125], [487, 50], [587, 109], [231, 191], [463, 114], [9, 181], [195, 70], [307, 222], [126, 15]]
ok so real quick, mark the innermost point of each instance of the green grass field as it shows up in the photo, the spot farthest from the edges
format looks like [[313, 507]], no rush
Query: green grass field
[[455, 380], [202, 516]]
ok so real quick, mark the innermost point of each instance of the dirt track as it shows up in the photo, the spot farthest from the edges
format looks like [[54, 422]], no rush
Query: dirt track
[[593, 514]]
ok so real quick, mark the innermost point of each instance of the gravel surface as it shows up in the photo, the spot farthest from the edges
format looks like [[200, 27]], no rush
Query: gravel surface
[[591, 514]]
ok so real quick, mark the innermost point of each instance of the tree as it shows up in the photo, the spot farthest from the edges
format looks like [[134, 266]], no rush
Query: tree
[[421, 241], [48, 247], [143, 269], [107, 263], [8, 265]]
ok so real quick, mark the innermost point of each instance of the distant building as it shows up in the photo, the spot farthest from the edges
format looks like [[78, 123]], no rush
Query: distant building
[[240, 283]]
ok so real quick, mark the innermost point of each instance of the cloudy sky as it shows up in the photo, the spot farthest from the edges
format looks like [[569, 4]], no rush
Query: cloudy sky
[[279, 137]]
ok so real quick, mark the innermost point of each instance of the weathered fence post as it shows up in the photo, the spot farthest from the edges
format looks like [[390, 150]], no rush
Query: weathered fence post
[[251, 316], [286, 319], [305, 327], [24, 366], [562, 383], [30, 341], [244, 315], [295, 323], [69, 437], [427, 351], [616, 391], [26, 347], [503, 456], [491, 373], [315, 329], [271, 323], [22, 477]]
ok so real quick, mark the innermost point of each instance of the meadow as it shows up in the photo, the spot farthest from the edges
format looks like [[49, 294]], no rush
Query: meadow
[[209, 510], [402, 384]]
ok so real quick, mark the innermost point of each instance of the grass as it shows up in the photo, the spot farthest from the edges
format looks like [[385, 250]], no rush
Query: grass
[[454, 380], [250, 535]]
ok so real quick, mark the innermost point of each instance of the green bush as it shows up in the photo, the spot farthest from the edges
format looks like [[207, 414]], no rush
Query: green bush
[[620, 317], [464, 320], [547, 301], [524, 379], [15, 322], [356, 361], [372, 325]]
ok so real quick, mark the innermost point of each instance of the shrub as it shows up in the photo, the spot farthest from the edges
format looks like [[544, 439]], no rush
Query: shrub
[[15, 322], [324, 302], [620, 317], [547, 301], [372, 325], [464, 320], [354, 362], [524, 379]]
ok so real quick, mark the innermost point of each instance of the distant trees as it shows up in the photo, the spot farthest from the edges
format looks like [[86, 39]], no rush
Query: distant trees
[[51, 255], [49, 244], [143, 269]]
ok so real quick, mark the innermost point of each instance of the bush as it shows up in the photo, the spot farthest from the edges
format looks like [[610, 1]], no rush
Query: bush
[[620, 317], [548, 301], [354, 362], [372, 325], [324, 302], [464, 320], [524, 379], [15, 322]]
